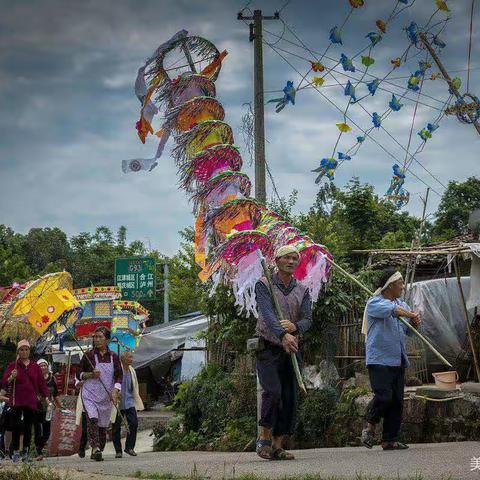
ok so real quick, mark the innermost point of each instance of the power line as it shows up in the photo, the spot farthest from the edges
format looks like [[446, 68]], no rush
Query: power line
[[354, 123]]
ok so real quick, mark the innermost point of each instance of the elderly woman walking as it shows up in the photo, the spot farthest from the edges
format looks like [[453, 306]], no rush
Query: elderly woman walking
[[101, 373], [44, 415], [25, 380]]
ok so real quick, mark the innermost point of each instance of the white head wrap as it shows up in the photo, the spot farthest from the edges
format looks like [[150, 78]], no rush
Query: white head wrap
[[285, 250], [42, 360], [394, 278]]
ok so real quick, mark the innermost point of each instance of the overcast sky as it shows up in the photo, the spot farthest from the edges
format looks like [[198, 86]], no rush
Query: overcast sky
[[68, 112]]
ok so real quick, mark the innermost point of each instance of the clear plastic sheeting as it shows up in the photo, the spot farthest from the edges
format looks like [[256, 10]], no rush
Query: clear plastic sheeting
[[443, 318], [158, 344]]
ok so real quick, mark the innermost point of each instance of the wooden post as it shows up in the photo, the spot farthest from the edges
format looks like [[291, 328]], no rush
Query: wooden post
[[445, 74], [67, 373], [467, 319]]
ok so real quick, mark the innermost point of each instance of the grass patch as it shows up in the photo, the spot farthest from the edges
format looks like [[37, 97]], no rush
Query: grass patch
[[194, 476], [26, 471]]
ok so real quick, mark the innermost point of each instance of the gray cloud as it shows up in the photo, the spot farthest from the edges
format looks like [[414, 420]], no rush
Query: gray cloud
[[68, 111]]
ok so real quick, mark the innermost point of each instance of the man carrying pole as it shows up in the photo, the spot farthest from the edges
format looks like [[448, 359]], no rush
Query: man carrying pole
[[386, 359], [278, 338]]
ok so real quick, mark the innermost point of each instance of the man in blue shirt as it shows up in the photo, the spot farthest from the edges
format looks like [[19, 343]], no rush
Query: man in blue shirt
[[386, 359]]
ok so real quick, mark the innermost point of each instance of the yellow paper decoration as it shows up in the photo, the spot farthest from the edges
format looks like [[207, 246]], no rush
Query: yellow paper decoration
[[343, 127], [49, 307], [318, 81]]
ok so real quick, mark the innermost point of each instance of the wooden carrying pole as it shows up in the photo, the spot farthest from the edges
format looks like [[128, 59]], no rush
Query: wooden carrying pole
[[467, 319], [407, 324], [278, 311]]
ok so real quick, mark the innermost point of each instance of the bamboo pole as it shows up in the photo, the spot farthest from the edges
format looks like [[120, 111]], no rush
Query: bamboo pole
[[278, 311], [467, 319], [407, 324]]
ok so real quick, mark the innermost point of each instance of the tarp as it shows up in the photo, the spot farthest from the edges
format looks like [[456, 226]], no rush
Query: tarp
[[443, 317], [159, 343]]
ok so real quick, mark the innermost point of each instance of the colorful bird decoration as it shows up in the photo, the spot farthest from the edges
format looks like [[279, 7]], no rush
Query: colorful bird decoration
[[356, 3], [414, 80], [327, 167], [439, 43], [396, 193], [288, 97], [367, 61], [317, 66], [381, 25], [376, 120], [335, 35], [344, 156], [343, 127], [374, 37], [360, 139], [318, 81], [442, 5], [395, 104], [373, 85], [347, 63], [457, 83], [350, 91], [426, 133], [396, 62], [424, 66], [434, 76], [412, 33]]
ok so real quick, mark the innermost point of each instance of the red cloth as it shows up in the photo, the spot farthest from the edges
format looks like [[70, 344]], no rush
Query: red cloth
[[28, 385]]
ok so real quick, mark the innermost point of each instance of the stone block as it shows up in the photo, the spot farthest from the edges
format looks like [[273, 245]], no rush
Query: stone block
[[470, 387], [361, 404], [362, 380], [414, 410]]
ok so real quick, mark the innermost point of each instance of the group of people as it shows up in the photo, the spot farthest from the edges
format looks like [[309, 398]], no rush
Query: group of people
[[108, 394], [279, 338], [108, 386]]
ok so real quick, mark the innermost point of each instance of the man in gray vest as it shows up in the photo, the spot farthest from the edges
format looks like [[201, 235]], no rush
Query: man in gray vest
[[279, 337]]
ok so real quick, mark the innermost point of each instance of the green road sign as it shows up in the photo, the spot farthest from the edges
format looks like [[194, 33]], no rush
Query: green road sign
[[136, 277]]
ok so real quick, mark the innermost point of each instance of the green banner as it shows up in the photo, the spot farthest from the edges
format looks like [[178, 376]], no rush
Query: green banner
[[136, 277]]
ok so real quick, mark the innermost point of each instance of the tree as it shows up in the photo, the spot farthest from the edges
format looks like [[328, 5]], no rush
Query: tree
[[13, 265], [458, 201], [47, 250]]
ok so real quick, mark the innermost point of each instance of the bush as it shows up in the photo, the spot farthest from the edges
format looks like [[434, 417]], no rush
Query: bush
[[315, 415], [213, 413]]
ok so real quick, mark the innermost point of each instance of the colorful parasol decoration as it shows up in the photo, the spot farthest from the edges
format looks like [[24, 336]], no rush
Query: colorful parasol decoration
[[45, 307], [234, 233]]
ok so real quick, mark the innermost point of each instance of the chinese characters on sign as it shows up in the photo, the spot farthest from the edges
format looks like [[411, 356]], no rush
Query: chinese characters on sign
[[65, 436], [136, 277]]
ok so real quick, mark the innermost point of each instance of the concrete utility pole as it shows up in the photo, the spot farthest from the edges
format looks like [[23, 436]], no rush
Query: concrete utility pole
[[166, 288], [256, 36], [445, 74]]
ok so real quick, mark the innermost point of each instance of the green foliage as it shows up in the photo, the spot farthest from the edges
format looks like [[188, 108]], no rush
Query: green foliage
[[458, 201], [214, 412], [315, 415], [28, 471]]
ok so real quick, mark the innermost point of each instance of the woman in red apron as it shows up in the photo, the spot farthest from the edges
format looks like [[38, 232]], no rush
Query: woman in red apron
[[101, 371]]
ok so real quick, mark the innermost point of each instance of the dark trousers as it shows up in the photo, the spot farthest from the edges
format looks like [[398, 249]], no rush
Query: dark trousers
[[42, 431], [131, 416], [84, 437], [20, 427], [388, 386], [279, 397], [97, 436]]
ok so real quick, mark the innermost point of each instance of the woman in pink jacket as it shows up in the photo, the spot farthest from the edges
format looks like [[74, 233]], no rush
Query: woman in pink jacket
[[27, 384]]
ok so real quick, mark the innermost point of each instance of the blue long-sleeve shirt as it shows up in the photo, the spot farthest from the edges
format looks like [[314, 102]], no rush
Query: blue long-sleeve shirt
[[385, 333], [266, 307]]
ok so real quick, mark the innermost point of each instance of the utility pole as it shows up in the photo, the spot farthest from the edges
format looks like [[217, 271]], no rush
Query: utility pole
[[166, 288], [256, 36], [445, 74]]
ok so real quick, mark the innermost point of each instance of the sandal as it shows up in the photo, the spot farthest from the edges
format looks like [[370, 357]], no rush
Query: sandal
[[368, 438], [281, 454], [264, 449], [394, 446]]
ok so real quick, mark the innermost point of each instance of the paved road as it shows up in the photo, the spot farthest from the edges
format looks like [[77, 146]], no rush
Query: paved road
[[433, 461]]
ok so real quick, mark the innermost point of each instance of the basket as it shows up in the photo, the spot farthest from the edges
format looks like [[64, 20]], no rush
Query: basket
[[446, 380]]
